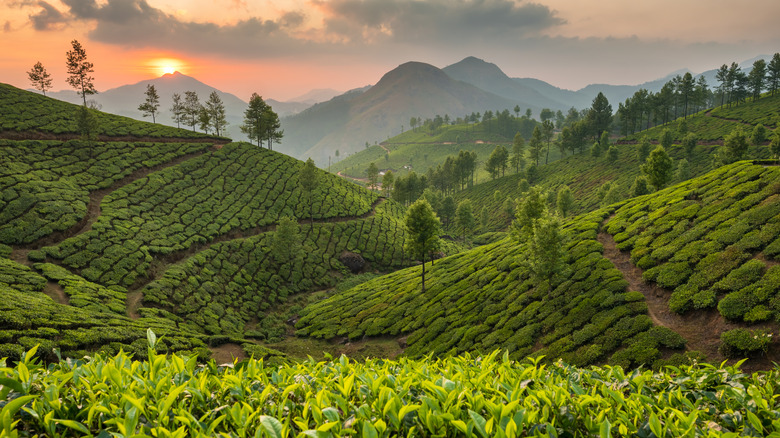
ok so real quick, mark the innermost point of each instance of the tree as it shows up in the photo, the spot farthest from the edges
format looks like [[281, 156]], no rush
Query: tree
[[774, 145], [639, 187], [151, 104], [448, 210], [689, 143], [546, 114], [722, 76], [423, 227], [517, 111], [565, 200], [272, 124], [536, 144], [546, 247], [612, 153], [191, 108], [759, 135], [683, 170], [757, 77], [387, 183], [658, 167], [253, 120], [308, 179], [373, 175], [87, 124], [177, 110], [643, 149], [497, 162], [464, 217], [40, 78], [667, 138], [518, 150], [216, 111], [547, 132], [413, 123], [600, 115], [204, 119], [79, 69], [286, 242], [735, 145], [530, 209], [773, 73]]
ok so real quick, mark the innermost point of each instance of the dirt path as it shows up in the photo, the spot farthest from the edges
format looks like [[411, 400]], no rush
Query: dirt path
[[700, 328], [55, 292], [226, 353], [133, 301]]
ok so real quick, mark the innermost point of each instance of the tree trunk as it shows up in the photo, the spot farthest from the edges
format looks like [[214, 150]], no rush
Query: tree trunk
[[423, 272]]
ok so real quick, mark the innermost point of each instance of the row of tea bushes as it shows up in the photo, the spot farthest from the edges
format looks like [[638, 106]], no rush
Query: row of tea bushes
[[237, 189], [44, 185], [714, 241], [233, 283]]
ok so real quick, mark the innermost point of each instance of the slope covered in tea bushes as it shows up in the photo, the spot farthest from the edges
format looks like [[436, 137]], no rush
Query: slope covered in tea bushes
[[714, 239]]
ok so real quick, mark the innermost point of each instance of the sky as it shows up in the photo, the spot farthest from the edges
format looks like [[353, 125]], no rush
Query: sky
[[282, 49]]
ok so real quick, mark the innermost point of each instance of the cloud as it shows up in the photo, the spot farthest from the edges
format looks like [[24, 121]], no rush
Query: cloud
[[48, 18], [436, 21]]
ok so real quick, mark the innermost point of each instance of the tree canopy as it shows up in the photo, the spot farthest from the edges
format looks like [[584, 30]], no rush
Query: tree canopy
[[424, 228], [40, 78], [151, 103], [79, 70]]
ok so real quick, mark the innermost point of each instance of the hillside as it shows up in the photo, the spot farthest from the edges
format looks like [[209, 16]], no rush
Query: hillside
[[712, 125], [112, 237], [591, 311], [412, 89]]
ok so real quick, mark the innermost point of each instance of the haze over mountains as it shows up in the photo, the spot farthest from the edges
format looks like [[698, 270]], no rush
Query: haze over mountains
[[322, 121]]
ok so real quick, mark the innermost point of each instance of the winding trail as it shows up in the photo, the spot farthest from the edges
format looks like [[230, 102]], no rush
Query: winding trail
[[700, 328]]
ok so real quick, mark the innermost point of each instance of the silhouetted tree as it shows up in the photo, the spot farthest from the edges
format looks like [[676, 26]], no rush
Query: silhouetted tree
[[191, 108], [216, 111], [177, 110], [40, 78], [78, 70], [151, 104]]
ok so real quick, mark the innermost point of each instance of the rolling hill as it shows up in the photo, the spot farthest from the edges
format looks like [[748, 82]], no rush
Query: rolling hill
[[175, 230]]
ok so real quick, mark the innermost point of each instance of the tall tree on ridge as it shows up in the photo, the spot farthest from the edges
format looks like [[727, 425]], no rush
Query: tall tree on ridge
[[271, 123], [773, 72], [191, 108], [600, 115], [424, 228], [757, 78], [177, 110], [216, 111], [151, 104], [40, 78], [254, 118], [722, 76], [79, 69]]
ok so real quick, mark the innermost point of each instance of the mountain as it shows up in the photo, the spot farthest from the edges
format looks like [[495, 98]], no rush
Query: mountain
[[413, 89], [316, 96], [491, 78]]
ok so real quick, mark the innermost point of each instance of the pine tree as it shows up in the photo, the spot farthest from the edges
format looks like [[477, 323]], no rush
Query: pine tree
[[756, 78], [773, 73], [191, 108], [151, 104], [253, 120], [272, 124], [40, 78], [423, 227], [79, 69], [600, 115]]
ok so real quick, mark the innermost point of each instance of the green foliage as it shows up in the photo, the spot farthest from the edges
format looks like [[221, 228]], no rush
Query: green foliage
[[738, 343], [758, 136], [735, 145], [658, 167], [640, 186], [380, 398], [564, 201]]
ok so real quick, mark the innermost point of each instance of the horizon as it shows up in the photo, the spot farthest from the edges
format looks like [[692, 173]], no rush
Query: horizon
[[285, 49]]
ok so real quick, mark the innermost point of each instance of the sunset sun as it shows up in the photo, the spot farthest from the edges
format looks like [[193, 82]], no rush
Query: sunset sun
[[168, 69]]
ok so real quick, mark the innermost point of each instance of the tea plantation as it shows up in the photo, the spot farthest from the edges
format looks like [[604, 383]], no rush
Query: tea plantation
[[238, 188], [714, 241], [469, 395], [45, 184]]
